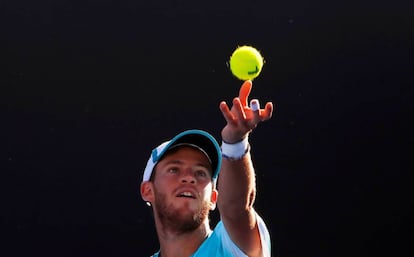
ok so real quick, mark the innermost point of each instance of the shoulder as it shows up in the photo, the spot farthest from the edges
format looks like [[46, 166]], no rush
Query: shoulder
[[221, 234], [220, 244]]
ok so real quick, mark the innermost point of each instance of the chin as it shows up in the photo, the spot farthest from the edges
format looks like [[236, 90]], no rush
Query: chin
[[184, 218]]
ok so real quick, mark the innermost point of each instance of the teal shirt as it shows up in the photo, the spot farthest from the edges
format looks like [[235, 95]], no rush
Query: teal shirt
[[219, 244]]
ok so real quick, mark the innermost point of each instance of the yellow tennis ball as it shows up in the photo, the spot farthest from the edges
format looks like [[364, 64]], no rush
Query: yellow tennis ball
[[246, 63]]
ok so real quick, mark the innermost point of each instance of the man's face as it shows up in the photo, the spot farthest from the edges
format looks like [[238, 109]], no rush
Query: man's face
[[182, 189]]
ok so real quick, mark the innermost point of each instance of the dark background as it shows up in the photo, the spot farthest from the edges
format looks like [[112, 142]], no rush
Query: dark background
[[88, 88]]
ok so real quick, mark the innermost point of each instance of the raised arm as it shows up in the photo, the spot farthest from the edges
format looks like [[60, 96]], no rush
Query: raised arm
[[237, 187]]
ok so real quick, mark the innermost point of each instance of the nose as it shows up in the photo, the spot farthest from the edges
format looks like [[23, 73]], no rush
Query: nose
[[188, 176]]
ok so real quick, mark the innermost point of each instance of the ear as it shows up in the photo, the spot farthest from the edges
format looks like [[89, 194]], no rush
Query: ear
[[147, 192], [213, 199]]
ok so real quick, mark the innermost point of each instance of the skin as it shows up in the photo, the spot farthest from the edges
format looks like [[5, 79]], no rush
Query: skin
[[185, 170], [236, 182]]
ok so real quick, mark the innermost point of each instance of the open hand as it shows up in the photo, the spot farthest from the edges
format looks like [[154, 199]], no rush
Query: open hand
[[241, 118]]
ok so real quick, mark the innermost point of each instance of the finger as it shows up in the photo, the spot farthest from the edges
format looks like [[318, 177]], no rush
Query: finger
[[228, 116], [244, 92], [255, 108], [238, 110], [267, 112], [255, 105]]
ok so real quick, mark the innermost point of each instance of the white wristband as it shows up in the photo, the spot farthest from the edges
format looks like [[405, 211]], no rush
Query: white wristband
[[235, 151]]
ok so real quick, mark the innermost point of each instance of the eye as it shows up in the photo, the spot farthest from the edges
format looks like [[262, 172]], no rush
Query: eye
[[172, 170], [201, 173]]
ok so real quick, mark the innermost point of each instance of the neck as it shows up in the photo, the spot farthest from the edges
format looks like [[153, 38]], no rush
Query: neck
[[173, 244]]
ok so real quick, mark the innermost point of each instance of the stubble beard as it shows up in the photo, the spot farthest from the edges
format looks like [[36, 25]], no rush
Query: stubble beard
[[177, 219]]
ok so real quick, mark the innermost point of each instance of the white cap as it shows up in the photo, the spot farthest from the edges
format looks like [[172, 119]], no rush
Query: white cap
[[196, 138]]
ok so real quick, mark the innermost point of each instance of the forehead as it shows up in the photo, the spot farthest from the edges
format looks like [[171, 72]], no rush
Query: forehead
[[186, 154]]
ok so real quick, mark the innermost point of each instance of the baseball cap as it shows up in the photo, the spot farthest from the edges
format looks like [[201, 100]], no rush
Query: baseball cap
[[199, 139]]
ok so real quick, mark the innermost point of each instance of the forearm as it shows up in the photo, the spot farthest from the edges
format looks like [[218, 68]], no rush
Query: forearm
[[237, 186], [237, 180]]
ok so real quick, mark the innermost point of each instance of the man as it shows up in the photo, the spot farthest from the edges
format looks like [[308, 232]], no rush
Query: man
[[179, 183]]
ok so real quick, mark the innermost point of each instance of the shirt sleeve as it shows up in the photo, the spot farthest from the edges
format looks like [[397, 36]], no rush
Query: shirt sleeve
[[235, 250], [264, 236]]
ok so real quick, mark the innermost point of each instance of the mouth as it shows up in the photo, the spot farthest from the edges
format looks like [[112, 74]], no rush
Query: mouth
[[186, 194]]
